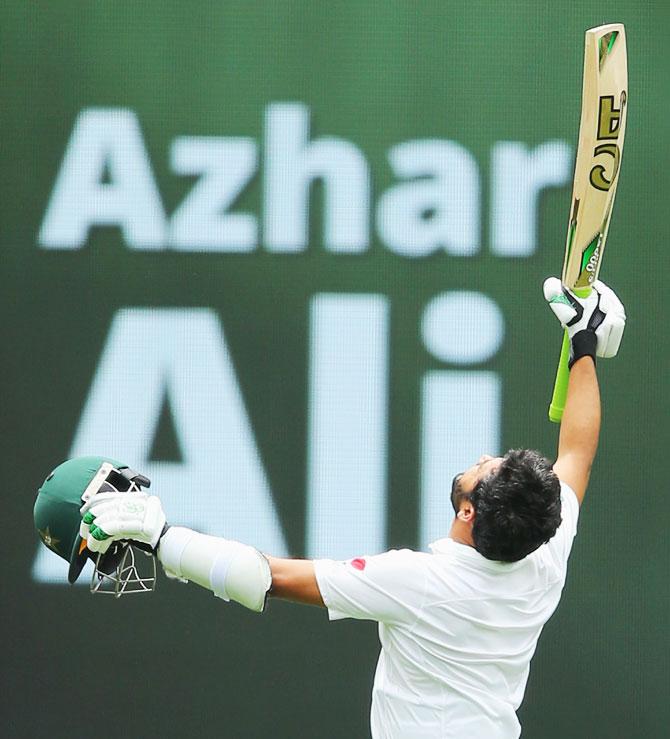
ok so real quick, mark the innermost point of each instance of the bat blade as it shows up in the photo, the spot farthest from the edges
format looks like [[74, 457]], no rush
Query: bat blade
[[601, 135]]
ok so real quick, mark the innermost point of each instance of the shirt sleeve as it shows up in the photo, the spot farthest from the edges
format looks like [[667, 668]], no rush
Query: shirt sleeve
[[561, 543], [389, 587]]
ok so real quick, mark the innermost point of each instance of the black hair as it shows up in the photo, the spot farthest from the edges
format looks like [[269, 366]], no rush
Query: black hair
[[517, 507]]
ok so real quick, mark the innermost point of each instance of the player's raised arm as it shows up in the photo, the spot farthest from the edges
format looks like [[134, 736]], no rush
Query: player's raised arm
[[595, 326], [578, 439]]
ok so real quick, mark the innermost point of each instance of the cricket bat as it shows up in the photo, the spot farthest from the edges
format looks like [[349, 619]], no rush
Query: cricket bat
[[601, 135]]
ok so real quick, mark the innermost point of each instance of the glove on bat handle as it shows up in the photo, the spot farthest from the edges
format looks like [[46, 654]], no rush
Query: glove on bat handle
[[557, 405]]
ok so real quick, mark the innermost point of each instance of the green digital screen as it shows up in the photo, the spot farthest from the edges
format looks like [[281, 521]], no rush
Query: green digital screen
[[286, 260]]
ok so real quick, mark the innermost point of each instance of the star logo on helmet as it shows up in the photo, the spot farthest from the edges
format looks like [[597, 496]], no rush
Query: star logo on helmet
[[48, 539]]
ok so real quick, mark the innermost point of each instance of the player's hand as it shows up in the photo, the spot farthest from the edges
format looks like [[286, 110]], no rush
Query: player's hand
[[601, 314], [109, 517]]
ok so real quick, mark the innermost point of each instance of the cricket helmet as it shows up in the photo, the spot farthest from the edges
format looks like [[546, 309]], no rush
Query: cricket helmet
[[57, 520]]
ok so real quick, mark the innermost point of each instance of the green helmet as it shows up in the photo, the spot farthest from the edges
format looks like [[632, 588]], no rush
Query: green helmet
[[58, 521]]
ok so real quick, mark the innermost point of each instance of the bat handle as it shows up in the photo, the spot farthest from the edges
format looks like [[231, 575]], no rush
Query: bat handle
[[561, 383]]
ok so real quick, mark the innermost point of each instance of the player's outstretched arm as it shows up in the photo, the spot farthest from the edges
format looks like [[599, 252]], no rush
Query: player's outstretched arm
[[230, 569], [595, 326], [295, 579]]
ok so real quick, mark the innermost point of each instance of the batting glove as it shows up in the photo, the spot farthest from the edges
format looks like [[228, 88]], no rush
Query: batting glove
[[594, 324], [109, 517]]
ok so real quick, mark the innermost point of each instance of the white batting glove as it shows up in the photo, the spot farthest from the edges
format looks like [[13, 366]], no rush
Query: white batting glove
[[601, 314], [109, 517]]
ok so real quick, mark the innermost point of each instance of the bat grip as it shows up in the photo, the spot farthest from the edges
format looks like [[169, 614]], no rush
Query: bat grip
[[557, 405], [561, 383]]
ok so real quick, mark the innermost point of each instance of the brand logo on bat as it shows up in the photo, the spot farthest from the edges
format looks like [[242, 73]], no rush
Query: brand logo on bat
[[590, 258], [609, 126]]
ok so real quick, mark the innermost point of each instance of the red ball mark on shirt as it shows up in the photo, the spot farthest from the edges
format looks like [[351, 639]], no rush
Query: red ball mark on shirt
[[358, 563]]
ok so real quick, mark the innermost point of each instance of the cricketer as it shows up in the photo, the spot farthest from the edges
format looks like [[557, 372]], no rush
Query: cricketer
[[458, 626]]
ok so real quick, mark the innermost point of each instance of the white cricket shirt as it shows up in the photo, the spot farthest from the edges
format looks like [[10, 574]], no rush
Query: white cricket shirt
[[457, 631]]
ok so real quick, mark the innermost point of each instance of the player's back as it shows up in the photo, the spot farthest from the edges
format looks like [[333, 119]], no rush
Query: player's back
[[460, 668]]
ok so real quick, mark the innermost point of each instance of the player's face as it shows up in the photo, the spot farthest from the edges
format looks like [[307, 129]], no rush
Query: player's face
[[465, 482]]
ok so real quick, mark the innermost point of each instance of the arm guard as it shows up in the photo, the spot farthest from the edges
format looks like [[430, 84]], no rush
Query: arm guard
[[231, 570]]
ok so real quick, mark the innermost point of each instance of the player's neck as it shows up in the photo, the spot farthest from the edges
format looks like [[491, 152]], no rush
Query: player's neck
[[461, 532]]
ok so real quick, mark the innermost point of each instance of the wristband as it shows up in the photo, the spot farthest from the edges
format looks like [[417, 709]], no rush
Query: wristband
[[583, 344]]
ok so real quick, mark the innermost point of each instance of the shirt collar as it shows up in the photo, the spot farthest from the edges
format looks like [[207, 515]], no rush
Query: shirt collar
[[442, 546], [447, 545]]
